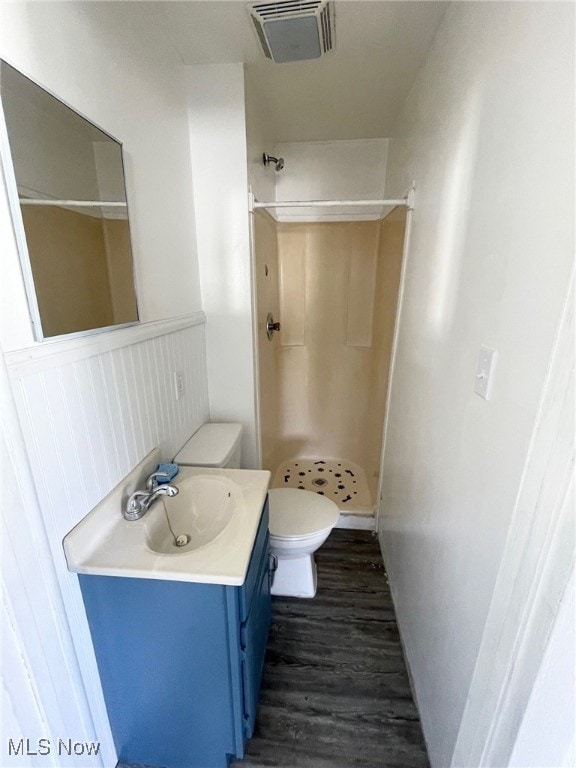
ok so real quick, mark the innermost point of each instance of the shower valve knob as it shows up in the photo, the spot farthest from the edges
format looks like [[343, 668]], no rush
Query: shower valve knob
[[271, 326]]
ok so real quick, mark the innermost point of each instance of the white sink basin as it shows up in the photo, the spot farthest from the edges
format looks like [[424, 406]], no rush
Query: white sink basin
[[195, 517], [204, 534]]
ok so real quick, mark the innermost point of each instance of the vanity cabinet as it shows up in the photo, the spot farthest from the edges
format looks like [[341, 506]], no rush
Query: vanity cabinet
[[180, 662]]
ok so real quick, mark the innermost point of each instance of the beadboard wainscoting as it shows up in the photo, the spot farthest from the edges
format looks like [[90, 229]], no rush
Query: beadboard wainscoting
[[90, 412]]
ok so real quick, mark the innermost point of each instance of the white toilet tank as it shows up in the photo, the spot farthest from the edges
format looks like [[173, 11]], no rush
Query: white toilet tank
[[213, 445]]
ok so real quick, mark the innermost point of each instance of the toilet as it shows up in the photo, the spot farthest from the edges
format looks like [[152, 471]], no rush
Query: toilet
[[300, 520], [213, 445]]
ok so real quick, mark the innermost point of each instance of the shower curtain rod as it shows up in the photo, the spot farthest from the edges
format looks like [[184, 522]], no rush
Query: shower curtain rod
[[71, 203], [408, 201], [328, 203]]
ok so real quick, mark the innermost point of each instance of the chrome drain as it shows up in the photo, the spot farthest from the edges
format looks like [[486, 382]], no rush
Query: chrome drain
[[319, 482]]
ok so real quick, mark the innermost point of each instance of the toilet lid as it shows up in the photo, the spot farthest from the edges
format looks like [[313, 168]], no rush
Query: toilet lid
[[211, 446], [294, 512]]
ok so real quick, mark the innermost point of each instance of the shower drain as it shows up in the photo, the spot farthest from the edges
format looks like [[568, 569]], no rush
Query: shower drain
[[319, 481]]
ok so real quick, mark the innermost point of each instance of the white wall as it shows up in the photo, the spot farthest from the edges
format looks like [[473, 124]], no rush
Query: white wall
[[331, 170], [90, 409], [488, 134], [259, 139], [42, 693], [533, 577], [219, 159]]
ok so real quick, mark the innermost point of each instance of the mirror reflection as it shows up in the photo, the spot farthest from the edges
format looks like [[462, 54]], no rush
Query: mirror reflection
[[69, 174]]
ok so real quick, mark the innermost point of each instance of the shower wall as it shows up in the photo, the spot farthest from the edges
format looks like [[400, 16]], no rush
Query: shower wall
[[327, 280], [325, 375]]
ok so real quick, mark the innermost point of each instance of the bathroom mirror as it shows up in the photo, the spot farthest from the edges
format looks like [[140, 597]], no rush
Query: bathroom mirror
[[68, 201]]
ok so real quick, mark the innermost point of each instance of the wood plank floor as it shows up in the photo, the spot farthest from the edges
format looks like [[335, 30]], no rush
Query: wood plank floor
[[335, 692]]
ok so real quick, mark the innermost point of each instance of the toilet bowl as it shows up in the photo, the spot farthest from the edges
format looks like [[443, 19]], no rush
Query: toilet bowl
[[300, 522]]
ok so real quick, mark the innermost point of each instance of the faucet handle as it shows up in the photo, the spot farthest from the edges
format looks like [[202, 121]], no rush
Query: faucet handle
[[151, 482], [134, 508]]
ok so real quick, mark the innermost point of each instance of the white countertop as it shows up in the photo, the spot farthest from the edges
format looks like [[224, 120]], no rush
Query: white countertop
[[105, 544]]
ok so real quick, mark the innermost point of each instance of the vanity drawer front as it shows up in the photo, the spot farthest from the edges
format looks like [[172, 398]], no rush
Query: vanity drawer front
[[258, 561]]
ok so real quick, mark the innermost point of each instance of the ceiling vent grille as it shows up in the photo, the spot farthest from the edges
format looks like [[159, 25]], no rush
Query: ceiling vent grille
[[294, 30]]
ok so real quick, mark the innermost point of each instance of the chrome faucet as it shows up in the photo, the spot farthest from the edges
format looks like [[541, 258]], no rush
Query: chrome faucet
[[140, 501], [151, 483]]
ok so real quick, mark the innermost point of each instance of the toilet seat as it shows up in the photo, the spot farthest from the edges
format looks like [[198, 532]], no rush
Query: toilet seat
[[298, 514]]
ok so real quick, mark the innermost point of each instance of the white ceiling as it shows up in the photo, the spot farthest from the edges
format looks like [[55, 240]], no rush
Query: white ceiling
[[354, 92]]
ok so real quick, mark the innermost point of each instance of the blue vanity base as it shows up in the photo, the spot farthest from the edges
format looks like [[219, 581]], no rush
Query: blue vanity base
[[181, 663]]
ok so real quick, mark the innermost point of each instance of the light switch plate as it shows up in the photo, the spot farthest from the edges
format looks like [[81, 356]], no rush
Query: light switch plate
[[485, 372]]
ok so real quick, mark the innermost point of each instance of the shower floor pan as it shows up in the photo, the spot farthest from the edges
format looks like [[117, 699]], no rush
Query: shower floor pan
[[340, 480]]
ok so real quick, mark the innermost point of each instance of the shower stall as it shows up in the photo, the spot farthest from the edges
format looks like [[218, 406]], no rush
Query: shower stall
[[332, 286]]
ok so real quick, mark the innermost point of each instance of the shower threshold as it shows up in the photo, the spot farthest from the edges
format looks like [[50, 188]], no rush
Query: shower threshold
[[339, 480]]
